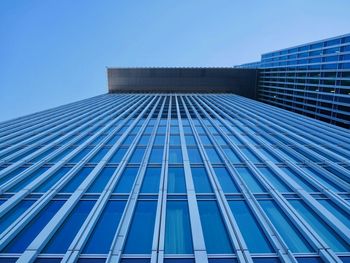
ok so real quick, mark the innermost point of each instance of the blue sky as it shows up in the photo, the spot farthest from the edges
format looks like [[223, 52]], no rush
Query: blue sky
[[54, 52]]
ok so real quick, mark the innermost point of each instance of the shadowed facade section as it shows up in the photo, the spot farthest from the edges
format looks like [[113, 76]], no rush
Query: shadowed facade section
[[185, 80]]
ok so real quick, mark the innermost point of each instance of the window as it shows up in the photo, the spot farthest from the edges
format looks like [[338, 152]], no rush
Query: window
[[99, 155], [175, 140], [144, 140], [232, 157], [118, 155], [274, 180], [201, 181], [194, 155], [126, 180], [50, 181], [253, 235], [63, 237], [151, 180], [291, 236], [12, 174], [29, 178], [205, 140], [212, 155], [101, 181], [335, 242], [335, 210], [190, 140], [156, 155], [76, 180], [128, 140], [137, 155], [102, 236], [80, 155], [159, 140], [176, 180], [215, 235], [302, 182], [142, 222], [14, 213], [27, 235], [178, 237], [175, 155], [252, 183], [250, 155], [226, 181]]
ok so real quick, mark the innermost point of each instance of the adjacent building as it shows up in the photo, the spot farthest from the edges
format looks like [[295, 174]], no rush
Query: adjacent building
[[312, 79]]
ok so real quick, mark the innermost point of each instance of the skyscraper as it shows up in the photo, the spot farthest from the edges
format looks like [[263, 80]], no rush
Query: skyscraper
[[191, 173]]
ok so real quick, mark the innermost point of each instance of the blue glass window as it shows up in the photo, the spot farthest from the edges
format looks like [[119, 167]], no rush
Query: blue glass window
[[178, 237], [80, 155], [142, 222], [226, 181], [215, 234], [159, 140], [77, 179], [61, 155], [161, 130], [178, 260], [102, 236], [232, 157], [30, 178], [101, 181], [194, 155], [118, 155], [46, 185], [151, 180], [99, 155], [137, 155], [12, 174], [302, 182], [252, 183], [64, 236], [156, 155], [14, 213], [175, 140], [253, 234], [176, 180], [114, 139], [175, 155], [144, 140], [291, 236], [274, 180], [250, 155], [220, 140], [323, 180], [128, 140], [190, 140], [126, 180], [336, 211], [27, 235], [201, 180], [205, 140], [327, 234], [213, 155]]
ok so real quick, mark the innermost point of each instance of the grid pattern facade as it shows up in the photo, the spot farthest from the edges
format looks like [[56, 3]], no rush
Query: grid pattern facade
[[174, 178], [312, 79]]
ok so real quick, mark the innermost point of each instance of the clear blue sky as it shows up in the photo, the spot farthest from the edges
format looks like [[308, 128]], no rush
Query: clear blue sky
[[54, 52]]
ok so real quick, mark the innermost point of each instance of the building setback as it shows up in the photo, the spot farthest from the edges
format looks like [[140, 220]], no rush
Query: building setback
[[312, 79]]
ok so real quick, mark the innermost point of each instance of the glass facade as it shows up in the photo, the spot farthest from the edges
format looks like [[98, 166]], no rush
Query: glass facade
[[312, 79], [178, 178]]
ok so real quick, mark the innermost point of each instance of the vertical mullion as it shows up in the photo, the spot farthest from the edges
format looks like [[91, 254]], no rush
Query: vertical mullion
[[199, 248]]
